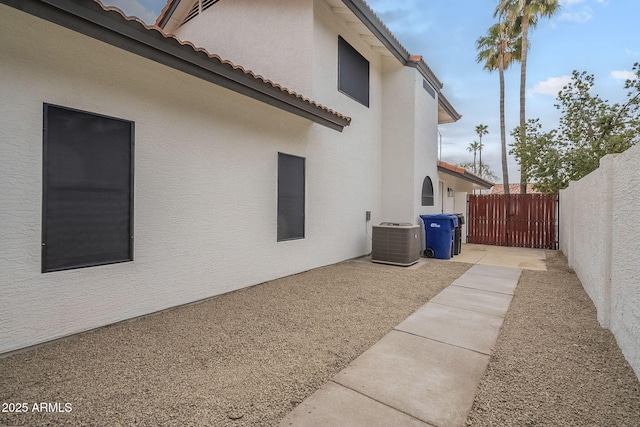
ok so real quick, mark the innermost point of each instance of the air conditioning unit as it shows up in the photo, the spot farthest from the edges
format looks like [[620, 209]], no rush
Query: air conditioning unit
[[396, 243]]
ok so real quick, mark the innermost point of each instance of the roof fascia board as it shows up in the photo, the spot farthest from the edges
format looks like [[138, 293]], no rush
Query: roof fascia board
[[427, 73], [153, 45], [446, 105], [167, 14], [467, 177]]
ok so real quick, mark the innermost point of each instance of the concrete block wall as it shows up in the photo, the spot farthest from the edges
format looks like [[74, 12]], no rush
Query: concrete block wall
[[600, 235]]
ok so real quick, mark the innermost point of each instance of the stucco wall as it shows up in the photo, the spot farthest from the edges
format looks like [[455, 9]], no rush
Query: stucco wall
[[425, 152], [364, 135], [399, 133], [457, 203], [205, 185], [599, 234], [401, 117], [278, 46]]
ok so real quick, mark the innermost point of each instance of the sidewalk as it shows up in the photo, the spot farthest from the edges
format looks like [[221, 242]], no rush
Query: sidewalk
[[426, 371]]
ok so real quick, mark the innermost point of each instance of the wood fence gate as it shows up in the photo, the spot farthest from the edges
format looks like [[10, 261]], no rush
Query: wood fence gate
[[521, 220]]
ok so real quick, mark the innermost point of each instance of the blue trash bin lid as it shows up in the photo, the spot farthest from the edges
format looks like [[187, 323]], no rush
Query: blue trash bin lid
[[443, 219]]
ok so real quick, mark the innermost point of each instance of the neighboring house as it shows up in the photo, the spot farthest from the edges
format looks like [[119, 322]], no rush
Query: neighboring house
[[171, 175], [456, 184], [513, 189]]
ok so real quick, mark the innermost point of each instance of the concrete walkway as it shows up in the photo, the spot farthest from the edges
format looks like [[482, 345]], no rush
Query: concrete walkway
[[426, 371], [527, 259]]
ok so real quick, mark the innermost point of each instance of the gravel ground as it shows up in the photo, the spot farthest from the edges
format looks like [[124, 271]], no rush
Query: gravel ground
[[248, 357], [245, 358], [553, 365]]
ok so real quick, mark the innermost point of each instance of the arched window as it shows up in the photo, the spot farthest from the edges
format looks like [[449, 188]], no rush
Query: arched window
[[427, 192]]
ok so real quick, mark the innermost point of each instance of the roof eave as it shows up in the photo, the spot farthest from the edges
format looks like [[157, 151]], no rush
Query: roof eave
[[467, 177], [375, 25], [445, 106], [91, 19]]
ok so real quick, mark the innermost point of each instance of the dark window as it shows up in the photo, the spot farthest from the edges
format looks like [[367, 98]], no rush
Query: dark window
[[429, 89], [290, 197], [427, 192], [87, 208], [353, 73]]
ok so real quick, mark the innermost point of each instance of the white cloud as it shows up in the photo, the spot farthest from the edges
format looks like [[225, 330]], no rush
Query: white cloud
[[133, 8], [551, 86], [580, 16], [623, 75], [631, 52], [571, 2]]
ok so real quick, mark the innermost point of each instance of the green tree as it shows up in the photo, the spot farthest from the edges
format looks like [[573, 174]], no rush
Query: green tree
[[543, 154], [474, 147], [589, 129], [527, 12], [498, 50], [487, 173]]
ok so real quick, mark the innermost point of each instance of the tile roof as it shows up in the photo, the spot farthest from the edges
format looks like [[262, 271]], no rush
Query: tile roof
[[90, 17], [212, 56], [513, 189], [367, 16], [463, 173]]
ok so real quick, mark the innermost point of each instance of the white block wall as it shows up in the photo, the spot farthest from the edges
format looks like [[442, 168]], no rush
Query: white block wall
[[600, 235], [205, 185]]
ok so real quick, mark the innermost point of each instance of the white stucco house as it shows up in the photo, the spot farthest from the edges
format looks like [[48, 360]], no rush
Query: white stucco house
[[142, 170]]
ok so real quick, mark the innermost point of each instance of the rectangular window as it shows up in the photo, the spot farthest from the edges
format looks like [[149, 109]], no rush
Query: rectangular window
[[291, 175], [353, 73], [87, 207]]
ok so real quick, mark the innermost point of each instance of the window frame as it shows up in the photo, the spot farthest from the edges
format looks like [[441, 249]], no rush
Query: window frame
[[46, 226], [355, 63], [428, 198], [282, 234]]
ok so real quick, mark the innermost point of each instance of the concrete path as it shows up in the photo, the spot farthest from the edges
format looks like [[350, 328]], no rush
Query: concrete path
[[426, 371], [525, 258]]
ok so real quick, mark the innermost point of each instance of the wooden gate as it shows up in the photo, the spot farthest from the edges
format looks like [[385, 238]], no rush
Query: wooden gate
[[531, 222]]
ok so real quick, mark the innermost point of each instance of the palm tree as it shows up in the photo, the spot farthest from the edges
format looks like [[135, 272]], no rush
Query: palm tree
[[481, 130], [474, 147], [528, 12], [498, 50], [480, 147]]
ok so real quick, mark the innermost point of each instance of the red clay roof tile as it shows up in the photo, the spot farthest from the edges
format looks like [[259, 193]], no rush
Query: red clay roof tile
[[513, 189]]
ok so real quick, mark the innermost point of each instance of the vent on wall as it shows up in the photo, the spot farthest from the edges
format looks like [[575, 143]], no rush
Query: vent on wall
[[198, 8], [395, 243], [429, 89]]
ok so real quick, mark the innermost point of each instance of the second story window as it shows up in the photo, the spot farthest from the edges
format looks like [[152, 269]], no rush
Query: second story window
[[353, 73]]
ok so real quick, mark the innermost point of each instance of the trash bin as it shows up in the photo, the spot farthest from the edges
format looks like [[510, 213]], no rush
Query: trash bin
[[457, 238], [439, 233]]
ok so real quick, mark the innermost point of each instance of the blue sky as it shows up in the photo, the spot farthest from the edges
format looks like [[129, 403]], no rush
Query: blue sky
[[597, 36]]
